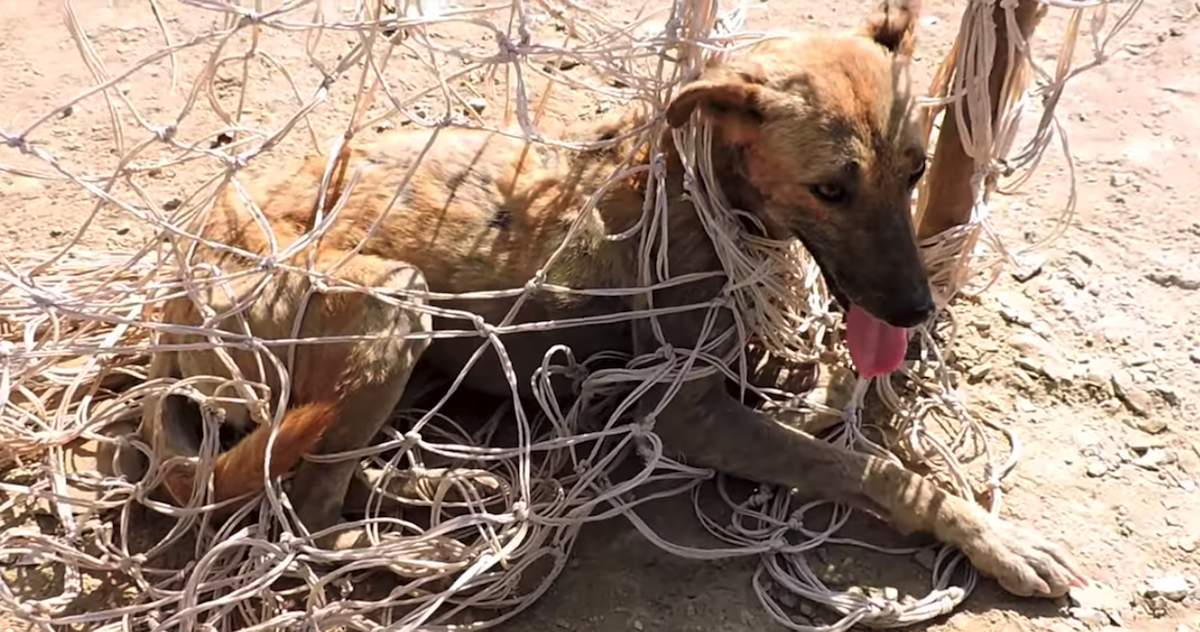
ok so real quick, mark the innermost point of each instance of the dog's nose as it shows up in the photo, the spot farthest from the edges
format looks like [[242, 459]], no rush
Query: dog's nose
[[913, 312]]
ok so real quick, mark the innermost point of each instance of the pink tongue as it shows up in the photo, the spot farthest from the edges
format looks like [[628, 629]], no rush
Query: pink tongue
[[876, 347]]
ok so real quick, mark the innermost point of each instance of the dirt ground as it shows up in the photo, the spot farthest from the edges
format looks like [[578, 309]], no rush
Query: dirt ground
[[1094, 361]]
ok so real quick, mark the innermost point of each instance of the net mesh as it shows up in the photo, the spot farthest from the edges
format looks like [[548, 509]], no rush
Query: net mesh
[[493, 502]]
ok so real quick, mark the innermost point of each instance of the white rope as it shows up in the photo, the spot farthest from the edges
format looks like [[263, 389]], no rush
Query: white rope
[[71, 319]]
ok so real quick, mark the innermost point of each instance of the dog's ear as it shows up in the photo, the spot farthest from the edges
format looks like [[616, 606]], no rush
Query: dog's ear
[[731, 95], [893, 26]]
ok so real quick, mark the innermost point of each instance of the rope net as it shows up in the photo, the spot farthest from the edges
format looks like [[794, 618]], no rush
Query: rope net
[[492, 502]]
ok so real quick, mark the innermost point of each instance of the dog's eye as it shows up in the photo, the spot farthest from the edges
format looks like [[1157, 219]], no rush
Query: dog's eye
[[916, 176], [828, 193]]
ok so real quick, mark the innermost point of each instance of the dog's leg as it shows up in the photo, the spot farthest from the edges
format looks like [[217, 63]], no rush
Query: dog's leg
[[713, 430], [370, 385], [708, 427]]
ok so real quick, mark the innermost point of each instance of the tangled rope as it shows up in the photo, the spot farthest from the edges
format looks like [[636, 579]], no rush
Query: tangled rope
[[501, 501]]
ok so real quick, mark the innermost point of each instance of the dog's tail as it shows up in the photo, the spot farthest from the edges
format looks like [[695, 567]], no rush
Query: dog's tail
[[240, 470]]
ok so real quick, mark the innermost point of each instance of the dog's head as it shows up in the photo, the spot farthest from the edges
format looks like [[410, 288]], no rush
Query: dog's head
[[827, 141]]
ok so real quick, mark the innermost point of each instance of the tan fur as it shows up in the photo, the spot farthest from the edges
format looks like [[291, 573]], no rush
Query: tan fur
[[816, 135]]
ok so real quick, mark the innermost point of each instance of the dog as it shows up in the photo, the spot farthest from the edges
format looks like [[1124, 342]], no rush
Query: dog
[[816, 135]]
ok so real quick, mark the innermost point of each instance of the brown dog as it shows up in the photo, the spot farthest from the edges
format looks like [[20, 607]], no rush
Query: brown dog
[[816, 135]]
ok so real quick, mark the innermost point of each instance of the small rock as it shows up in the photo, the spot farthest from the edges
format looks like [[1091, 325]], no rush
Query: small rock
[[1090, 616], [1168, 393], [123, 229], [1134, 398], [561, 64], [978, 372], [1028, 343], [1031, 365], [1150, 425], [637, 625], [1195, 355], [1184, 281], [477, 105], [1187, 485], [1028, 269], [1154, 459], [1187, 545], [1077, 279], [1016, 317], [1142, 444], [1096, 469], [1172, 587]]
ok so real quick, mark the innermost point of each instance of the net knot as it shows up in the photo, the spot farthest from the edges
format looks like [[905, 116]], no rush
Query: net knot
[[508, 50], [520, 511], [16, 142], [482, 326], [644, 426], [130, 563], [237, 162], [536, 283], [166, 133]]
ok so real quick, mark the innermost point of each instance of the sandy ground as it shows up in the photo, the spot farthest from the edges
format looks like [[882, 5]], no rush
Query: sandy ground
[[1094, 361]]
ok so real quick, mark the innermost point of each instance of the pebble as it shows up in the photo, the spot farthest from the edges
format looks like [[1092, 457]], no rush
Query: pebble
[[1095, 599], [1150, 425], [1195, 355], [1172, 587], [1186, 281], [477, 105], [1028, 269], [978, 372], [1137, 400], [1015, 316], [1187, 545], [1142, 444], [1096, 469], [1090, 616], [1168, 393], [1154, 459], [1077, 279]]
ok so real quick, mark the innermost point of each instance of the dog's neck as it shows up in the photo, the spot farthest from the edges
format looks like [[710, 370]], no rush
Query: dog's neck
[[726, 158]]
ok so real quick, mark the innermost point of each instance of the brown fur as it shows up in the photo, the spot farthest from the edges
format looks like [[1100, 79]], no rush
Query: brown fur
[[816, 135]]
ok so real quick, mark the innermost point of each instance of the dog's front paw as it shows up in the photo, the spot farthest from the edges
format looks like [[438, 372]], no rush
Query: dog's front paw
[[1025, 563]]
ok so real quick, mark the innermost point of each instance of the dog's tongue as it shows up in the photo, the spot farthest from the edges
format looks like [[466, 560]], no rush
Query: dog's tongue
[[876, 347]]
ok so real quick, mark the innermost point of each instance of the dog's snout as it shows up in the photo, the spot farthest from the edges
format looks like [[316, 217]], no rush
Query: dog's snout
[[912, 312]]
